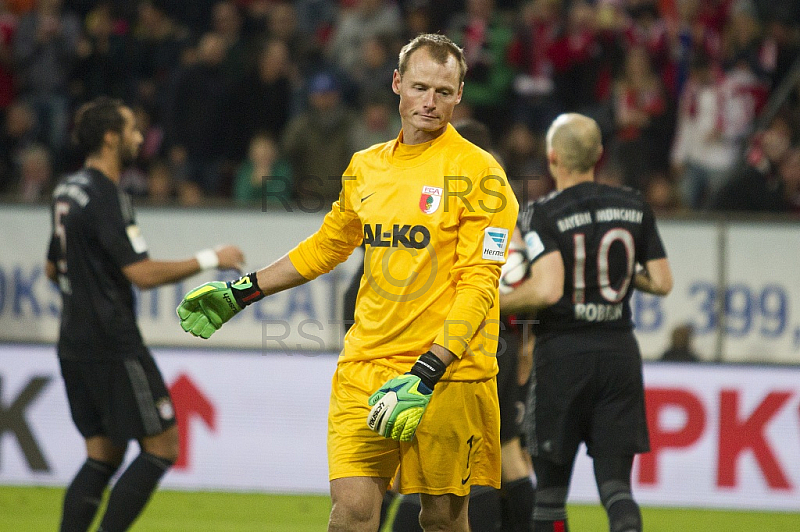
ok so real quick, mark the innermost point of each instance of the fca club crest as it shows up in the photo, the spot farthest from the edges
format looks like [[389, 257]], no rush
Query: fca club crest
[[430, 199]]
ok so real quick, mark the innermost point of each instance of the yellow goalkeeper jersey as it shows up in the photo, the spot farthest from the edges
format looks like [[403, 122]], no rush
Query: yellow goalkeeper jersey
[[436, 219]]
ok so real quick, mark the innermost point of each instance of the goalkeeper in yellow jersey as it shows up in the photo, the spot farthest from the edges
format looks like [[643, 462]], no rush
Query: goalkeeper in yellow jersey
[[414, 394]]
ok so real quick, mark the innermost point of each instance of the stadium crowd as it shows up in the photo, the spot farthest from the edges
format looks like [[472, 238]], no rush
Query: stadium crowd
[[263, 101]]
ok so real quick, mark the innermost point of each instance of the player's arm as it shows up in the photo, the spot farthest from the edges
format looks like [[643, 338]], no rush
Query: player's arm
[[654, 278], [543, 287], [490, 210], [206, 308], [149, 273]]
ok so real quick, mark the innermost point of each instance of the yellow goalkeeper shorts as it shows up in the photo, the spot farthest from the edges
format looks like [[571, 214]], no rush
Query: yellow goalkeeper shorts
[[457, 443]]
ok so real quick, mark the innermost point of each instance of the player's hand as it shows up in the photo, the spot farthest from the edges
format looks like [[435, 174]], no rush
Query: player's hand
[[230, 258], [206, 308], [398, 406]]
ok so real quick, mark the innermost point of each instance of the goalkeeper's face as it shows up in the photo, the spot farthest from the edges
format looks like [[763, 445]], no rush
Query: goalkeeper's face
[[131, 140], [429, 90]]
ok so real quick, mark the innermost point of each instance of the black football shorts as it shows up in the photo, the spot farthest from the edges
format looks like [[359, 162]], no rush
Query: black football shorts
[[595, 397], [122, 399]]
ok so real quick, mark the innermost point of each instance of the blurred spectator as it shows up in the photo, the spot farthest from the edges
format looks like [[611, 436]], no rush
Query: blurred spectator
[[534, 88], [417, 19], [485, 37], [197, 113], [282, 25], [317, 144], [583, 59], [378, 122], [101, 66], [36, 173], [316, 18], [691, 33], [263, 178], [45, 47], [646, 28], [8, 24], [189, 194], [523, 158], [680, 349], [160, 185], [18, 133], [759, 185], [152, 133], [662, 194], [373, 72], [702, 156], [743, 95], [155, 51], [363, 20], [742, 39], [640, 111], [262, 101], [227, 23]]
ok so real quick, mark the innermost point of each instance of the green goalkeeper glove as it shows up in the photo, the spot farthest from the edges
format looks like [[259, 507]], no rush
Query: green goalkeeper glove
[[204, 309], [398, 406]]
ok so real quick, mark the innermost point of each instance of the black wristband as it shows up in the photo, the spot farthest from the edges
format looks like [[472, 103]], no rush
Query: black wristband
[[429, 368], [245, 290]]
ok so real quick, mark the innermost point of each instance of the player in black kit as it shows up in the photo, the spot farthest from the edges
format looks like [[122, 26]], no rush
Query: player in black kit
[[115, 390], [585, 242]]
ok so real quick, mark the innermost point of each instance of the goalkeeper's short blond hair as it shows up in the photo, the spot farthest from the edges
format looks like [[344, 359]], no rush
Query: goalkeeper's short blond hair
[[577, 141]]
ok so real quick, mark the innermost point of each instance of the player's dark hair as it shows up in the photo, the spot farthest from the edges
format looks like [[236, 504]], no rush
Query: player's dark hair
[[440, 48], [94, 119]]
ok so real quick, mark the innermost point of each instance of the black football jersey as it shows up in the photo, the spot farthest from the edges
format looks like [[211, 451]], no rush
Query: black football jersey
[[602, 232], [94, 236]]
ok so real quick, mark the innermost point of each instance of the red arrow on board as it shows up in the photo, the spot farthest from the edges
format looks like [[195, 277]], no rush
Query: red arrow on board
[[189, 402]]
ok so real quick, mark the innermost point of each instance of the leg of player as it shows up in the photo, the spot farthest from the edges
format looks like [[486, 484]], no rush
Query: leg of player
[[356, 503], [444, 513], [134, 488], [85, 492], [613, 476], [517, 487], [552, 488]]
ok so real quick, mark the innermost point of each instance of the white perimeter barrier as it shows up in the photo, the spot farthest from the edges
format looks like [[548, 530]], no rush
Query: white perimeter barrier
[[722, 436], [761, 298]]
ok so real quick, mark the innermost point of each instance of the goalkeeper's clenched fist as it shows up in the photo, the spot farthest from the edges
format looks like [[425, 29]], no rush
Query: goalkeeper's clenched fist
[[398, 406], [205, 308]]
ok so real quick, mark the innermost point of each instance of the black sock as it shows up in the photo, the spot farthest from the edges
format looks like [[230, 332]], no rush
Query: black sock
[[517, 505], [406, 519], [132, 491], [550, 526], [484, 509], [624, 516], [84, 494]]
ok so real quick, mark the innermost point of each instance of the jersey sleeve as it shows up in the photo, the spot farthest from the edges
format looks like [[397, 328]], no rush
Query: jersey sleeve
[[487, 220], [540, 238], [120, 238], [335, 240], [651, 247]]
